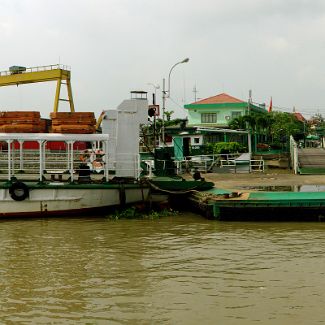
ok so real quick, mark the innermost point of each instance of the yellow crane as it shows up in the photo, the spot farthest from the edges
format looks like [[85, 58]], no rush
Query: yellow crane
[[17, 75]]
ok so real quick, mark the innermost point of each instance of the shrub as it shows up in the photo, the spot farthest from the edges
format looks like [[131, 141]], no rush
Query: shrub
[[225, 148]]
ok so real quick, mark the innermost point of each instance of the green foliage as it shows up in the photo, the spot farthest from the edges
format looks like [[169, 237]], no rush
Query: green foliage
[[318, 119], [224, 148], [168, 115], [237, 123], [134, 213], [149, 130], [276, 126], [255, 122], [284, 125], [129, 213]]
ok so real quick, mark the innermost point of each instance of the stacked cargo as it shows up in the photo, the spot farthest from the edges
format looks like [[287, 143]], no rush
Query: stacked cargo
[[72, 122], [21, 122]]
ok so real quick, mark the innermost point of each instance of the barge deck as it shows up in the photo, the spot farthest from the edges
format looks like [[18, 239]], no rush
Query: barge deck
[[260, 206]]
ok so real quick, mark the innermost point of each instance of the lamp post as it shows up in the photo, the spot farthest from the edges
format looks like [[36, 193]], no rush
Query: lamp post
[[166, 94]]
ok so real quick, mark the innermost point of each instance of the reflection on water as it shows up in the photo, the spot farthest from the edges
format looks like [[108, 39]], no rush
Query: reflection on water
[[177, 270]]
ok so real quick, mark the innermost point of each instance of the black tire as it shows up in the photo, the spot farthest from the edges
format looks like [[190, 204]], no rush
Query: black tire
[[19, 191]]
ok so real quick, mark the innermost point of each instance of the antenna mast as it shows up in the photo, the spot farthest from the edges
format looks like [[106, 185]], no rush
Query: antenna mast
[[195, 91]]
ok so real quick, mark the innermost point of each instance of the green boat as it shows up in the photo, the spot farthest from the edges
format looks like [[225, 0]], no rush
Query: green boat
[[263, 206], [178, 185]]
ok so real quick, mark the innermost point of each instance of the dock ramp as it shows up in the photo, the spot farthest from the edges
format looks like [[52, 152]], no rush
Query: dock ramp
[[311, 161]]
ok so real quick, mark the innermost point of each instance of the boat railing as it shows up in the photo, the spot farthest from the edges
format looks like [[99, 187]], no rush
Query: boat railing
[[30, 163], [62, 165]]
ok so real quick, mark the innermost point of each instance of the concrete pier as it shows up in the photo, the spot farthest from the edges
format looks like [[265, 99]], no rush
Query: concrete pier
[[271, 178]]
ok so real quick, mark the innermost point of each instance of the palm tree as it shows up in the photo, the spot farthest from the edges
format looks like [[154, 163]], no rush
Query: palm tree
[[168, 115], [237, 123]]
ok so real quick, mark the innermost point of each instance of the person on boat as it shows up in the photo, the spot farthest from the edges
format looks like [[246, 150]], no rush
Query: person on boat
[[85, 156], [97, 163], [93, 159], [84, 173], [197, 175]]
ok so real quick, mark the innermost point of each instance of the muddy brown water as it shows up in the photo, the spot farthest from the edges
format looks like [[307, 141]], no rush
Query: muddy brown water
[[173, 270]]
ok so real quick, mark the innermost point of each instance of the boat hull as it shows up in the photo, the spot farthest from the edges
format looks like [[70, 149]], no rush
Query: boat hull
[[272, 206], [68, 200], [274, 214], [260, 206]]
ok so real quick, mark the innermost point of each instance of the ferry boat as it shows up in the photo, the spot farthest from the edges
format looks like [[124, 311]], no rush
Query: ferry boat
[[105, 175], [65, 181]]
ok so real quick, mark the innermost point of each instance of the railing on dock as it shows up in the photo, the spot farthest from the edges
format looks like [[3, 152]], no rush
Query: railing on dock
[[203, 163], [208, 163], [252, 165], [257, 165], [294, 155]]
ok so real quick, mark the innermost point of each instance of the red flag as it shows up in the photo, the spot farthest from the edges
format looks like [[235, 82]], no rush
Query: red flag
[[270, 107]]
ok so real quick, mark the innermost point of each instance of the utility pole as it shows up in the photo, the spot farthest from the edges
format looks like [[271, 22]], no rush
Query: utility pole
[[163, 112], [195, 91]]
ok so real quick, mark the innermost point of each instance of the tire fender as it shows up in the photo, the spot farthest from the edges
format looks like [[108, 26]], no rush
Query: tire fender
[[19, 191]]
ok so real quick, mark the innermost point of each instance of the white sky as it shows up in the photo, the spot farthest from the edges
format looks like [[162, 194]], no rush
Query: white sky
[[274, 47]]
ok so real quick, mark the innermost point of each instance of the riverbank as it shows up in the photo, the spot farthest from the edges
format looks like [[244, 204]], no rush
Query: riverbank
[[274, 177]]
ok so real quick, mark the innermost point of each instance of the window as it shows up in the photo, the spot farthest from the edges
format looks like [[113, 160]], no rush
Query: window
[[196, 140], [235, 114], [208, 117], [215, 137]]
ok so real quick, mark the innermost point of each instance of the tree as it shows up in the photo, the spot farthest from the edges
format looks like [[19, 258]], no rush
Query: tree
[[168, 115], [317, 119], [275, 126], [256, 122], [237, 123], [151, 132], [283, 125]]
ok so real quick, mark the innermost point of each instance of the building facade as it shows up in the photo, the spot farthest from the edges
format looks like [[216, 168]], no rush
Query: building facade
[[219, 110]]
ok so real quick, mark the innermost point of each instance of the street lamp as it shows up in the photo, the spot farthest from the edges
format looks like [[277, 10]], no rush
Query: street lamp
[[166, 94]]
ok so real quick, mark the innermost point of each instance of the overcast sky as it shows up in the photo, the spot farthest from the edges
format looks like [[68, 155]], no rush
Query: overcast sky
[[273, 47]]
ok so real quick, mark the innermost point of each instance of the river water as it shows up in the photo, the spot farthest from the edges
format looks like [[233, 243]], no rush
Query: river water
[[173, 270]]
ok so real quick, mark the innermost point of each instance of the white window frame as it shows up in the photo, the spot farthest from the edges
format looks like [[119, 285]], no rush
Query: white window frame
[[209, 118]]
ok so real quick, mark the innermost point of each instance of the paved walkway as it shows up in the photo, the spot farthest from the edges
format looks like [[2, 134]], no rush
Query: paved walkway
[[269, 178]]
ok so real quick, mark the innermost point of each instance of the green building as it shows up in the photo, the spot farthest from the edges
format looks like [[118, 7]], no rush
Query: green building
[[208, 122], [218, 110]]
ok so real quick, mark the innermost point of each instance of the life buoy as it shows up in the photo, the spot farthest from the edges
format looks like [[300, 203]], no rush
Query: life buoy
[[19, 191]]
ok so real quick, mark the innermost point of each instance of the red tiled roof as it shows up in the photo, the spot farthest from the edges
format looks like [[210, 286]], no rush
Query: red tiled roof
[[219, 99], [299, 117]]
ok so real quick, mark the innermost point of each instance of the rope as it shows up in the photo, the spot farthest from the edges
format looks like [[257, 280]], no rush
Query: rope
[[155, 187]]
